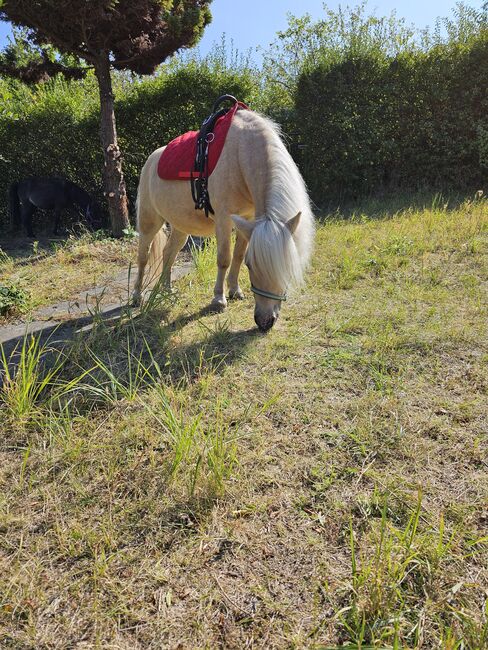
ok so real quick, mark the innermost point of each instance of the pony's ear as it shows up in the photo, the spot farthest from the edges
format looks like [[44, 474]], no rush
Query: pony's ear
[[244, 226], [293, 223]]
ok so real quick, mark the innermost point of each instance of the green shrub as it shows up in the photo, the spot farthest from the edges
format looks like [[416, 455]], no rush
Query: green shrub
[[416, 119], [13, 300]]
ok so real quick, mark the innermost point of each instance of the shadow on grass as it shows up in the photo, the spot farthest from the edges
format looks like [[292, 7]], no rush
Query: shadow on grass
[[59, 335], [217, 349], [24, 250], [124, 351]]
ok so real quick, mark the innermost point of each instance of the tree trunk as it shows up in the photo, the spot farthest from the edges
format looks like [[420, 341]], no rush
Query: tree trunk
[[113, 178]]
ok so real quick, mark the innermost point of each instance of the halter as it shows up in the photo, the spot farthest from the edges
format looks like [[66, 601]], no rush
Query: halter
[[268, 294]]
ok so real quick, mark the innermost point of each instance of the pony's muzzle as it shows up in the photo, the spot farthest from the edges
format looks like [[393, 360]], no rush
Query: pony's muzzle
[[265, 323]]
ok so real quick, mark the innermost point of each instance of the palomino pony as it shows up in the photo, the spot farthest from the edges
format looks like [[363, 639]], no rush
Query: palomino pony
[[256, 187], [50, 193]]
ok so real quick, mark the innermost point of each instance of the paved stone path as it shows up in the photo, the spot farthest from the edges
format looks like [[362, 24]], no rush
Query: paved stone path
[[59, 322]]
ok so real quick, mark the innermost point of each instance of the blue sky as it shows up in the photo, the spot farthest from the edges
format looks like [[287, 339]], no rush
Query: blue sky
[[252, 23]]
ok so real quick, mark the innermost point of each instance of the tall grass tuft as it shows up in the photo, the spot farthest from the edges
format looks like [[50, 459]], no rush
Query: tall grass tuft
[[31, 374], [204, 259], [390, 579], [205, 454], [124, 376]]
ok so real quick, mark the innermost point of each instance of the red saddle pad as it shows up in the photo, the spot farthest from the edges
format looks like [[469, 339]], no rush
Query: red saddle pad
[[176, 161]]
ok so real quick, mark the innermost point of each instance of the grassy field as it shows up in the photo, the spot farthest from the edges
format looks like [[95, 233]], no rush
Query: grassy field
[[177, 480]]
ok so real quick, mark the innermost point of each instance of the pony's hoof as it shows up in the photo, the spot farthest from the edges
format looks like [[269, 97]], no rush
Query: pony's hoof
[[218, 304], [136, 300], [236, 295]]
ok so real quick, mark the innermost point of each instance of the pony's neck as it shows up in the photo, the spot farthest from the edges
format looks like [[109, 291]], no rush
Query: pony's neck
[[285, 193], [79, 196]]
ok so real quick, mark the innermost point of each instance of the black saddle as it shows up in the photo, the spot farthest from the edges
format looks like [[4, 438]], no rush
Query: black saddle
[[199, 181]]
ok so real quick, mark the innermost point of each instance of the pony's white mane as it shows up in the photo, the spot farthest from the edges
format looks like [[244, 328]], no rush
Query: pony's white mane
[[282, 257]]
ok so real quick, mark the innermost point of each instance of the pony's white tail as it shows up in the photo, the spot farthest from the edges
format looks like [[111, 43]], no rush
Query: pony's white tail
[[146, 223], [155, 261]]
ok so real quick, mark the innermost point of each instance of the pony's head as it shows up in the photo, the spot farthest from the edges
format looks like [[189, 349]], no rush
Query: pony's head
[[273, 262]]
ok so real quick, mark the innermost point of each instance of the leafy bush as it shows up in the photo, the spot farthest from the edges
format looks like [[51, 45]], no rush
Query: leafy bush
[[379, 104], [13, 300], [416, 119]]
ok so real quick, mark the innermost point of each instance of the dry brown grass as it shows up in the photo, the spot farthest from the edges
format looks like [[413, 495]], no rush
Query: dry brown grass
[[334, 489], [54, 272]]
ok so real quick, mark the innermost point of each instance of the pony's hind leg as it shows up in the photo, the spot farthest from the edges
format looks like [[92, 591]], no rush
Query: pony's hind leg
[[57, 221], [240, 247]]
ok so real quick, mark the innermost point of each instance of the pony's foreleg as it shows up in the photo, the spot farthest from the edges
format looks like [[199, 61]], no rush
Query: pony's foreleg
[[57, 221], [240, 247], [176, 241], [223, 231], [27, 211]]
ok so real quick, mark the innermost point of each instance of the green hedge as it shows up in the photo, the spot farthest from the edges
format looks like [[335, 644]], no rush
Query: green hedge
[[419, 119], [368, 121], [54, 129], [48, 130]]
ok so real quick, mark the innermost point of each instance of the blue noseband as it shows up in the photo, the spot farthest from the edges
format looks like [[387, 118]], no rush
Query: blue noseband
[[268, 294]]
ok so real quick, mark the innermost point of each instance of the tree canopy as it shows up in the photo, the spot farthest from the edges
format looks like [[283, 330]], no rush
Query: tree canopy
[[138, 34], [134, 35], [33, 63]]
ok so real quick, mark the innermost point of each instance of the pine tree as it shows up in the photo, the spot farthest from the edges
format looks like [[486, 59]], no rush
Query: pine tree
[[134, 35], [33, 63]]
